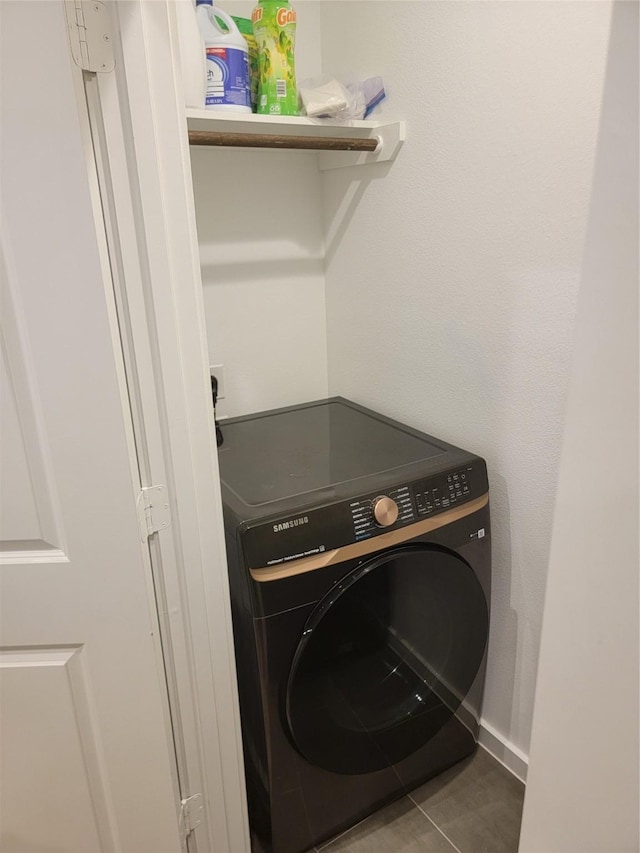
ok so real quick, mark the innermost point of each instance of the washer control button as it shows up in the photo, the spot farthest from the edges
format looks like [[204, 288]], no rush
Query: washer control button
[[385, 511]]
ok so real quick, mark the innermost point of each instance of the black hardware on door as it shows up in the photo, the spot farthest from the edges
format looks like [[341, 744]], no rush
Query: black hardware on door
[[214, 395]]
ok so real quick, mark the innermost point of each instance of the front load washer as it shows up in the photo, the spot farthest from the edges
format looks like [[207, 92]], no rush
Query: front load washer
[[359, 564]]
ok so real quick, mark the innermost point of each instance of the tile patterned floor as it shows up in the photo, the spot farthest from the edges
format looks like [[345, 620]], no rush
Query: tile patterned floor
[[475, 807]]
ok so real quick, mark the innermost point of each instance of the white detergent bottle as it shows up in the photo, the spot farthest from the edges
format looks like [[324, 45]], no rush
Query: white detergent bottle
[[227, 60]]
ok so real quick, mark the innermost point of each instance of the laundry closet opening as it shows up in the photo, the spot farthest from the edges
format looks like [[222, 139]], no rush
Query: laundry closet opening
[[438, 288]]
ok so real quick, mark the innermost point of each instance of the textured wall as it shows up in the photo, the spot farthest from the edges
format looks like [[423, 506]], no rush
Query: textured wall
[[452, 275], [589, 650]]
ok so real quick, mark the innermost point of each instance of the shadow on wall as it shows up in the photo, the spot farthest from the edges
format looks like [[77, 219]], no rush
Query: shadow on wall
[[503, 632], [256, 207], [340, 209], [259, 270]]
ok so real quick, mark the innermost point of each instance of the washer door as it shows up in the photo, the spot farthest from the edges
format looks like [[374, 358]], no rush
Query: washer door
[[386, 658]]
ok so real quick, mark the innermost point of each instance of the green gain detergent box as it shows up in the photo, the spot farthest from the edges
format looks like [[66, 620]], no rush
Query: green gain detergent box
[[274, 28]]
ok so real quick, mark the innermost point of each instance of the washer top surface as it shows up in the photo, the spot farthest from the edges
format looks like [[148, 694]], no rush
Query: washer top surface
[[287, 453], [274, 456]]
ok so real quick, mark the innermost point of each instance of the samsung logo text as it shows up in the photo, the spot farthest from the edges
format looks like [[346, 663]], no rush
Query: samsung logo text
[[293, 522]]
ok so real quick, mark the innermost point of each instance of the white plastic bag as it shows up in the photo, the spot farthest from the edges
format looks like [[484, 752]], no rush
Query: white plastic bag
[[327, 98]]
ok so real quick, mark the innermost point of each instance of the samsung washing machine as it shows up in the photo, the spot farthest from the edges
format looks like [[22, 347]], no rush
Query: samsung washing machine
[[360, 570]]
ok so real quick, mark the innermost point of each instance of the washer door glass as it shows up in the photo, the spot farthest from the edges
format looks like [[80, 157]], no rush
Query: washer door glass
[[386, 658]]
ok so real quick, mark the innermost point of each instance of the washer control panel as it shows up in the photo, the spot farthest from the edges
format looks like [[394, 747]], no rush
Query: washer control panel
[[314, 530], [372, 513], [439, 493]]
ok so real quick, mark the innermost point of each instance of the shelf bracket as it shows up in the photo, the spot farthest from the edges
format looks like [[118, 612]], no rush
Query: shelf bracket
[[390, 140]]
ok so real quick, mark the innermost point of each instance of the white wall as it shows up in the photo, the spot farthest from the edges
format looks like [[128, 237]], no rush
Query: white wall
[[582, 792], [261, 253], [261, 239], [452, 275]]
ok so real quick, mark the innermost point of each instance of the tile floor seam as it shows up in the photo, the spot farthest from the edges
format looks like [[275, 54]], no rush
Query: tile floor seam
[[327, 844], [442, 833]]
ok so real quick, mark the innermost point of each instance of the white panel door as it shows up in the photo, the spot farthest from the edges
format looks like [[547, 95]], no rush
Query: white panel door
[[86, 751]]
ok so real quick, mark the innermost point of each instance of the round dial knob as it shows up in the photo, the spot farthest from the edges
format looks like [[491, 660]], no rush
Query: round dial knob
[[385, 511]]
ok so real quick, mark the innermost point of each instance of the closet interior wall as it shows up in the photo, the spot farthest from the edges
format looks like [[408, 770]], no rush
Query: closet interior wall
[[439, 288], [261, 238]]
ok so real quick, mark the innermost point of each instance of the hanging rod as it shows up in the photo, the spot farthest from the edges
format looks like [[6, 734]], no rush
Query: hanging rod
[[264, 140]]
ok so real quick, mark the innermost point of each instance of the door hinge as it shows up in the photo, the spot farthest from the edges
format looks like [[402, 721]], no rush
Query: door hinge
[[152, 506], [191, 811], [90, 35]]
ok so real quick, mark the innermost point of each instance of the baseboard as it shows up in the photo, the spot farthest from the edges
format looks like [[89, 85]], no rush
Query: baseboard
[[503, 751]]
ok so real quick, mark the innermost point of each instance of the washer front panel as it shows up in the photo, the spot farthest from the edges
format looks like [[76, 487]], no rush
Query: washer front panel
[[390, 539]]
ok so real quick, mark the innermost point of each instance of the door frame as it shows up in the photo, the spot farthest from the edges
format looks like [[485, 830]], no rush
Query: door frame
[[135, 122]]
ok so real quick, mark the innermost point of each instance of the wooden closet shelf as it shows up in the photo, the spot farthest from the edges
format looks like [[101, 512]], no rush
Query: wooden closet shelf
[[337, 145], [270, 140]]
